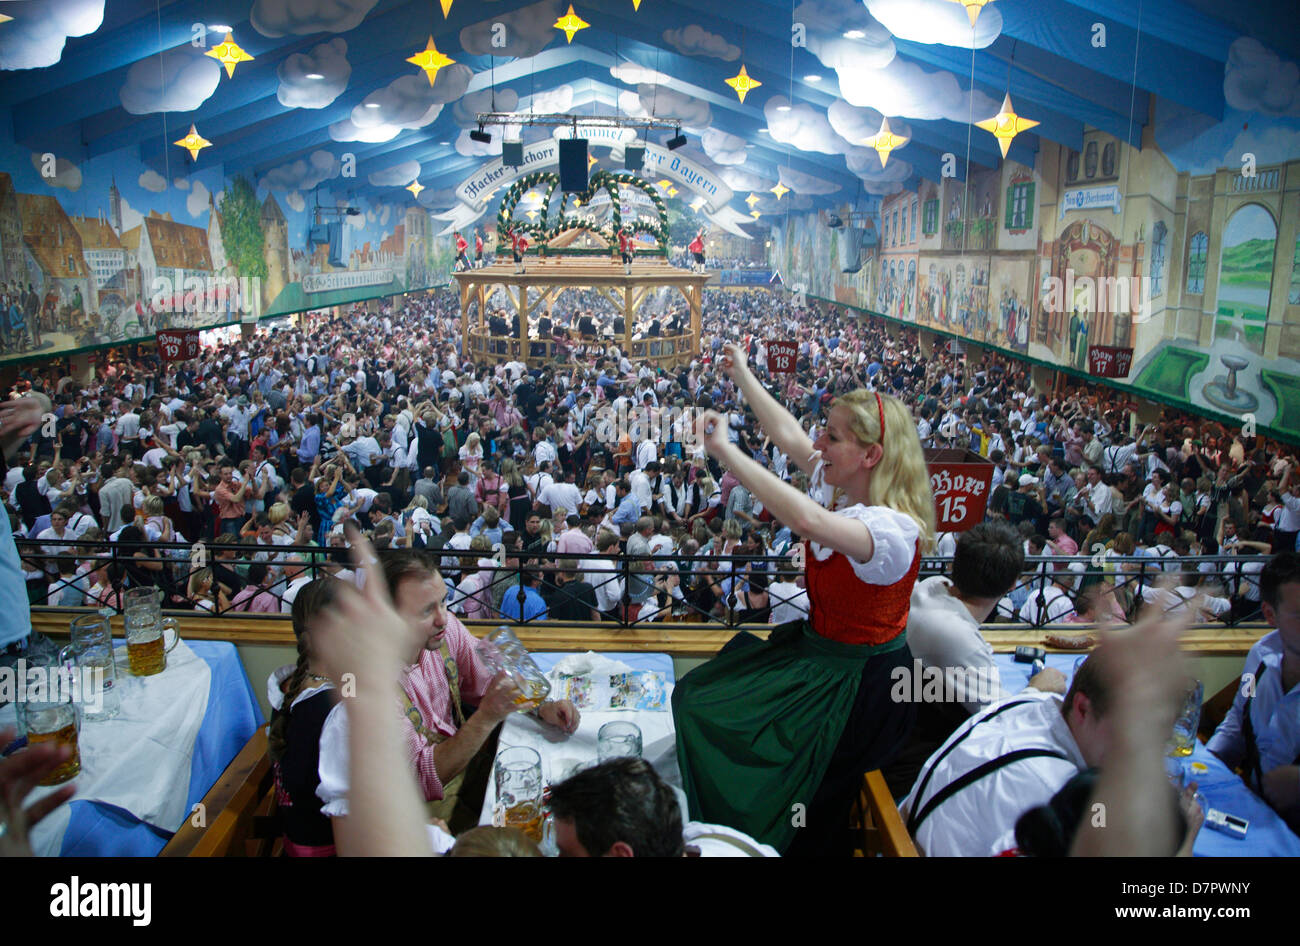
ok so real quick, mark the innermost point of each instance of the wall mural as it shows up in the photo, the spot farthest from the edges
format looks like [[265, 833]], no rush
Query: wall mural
[[110, 251], [1087, 248]]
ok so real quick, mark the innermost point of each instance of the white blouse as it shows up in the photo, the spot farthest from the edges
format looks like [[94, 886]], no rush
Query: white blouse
[[333, 768], [895, 535]]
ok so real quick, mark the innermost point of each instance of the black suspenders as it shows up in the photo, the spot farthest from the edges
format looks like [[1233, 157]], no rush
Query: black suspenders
[[921, 812]]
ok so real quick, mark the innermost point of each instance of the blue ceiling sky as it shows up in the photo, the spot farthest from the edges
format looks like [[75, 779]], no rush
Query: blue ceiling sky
[[100, 93]]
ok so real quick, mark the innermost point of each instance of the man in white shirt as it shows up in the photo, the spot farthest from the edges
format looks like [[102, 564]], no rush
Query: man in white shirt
[[564, 495], [1098, 498], [1037, 743], [1050, 605]]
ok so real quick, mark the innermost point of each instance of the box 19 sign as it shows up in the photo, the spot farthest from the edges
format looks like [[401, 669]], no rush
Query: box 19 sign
[[781, 357], [177, 345], [961, 493]]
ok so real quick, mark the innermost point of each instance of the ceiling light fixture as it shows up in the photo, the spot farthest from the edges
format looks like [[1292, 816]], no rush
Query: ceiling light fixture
[[676, 141], [219, 28], [228, 53], [481, 136], [973, 8], [885, 141], [783, 108], [372, 105], [314, 75], [743, 83], [430, 60], [812, 78], [854, 34], [570, 23], [193, 143], [1006, 124]]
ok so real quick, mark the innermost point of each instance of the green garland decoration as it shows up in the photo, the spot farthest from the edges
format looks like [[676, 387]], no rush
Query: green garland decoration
[[602, 180]]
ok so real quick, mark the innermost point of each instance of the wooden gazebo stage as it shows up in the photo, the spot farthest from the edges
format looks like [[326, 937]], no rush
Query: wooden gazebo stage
[[549, 277]]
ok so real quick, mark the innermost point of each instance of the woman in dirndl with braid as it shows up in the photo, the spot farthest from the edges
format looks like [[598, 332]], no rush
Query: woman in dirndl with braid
[[307, 738], [773, 737]]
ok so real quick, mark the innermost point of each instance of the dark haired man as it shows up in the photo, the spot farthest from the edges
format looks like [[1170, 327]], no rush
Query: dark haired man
[[1261, 732], [622, 808], [943, 631]]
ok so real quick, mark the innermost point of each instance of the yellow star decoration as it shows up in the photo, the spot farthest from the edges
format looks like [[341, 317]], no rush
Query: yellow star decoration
[[742, 82], [752, 199], [636, 5], [532, 195], [571, 23], [1006, 124], [430, 60], [672, 192], [885, 141], [755, 214], [697, 203], [5, 19], [591, 161], [446, 8], [780, 190], [229, 55], [194, 143], [531, 215], [577, 202], [973, 8], [415, 187]]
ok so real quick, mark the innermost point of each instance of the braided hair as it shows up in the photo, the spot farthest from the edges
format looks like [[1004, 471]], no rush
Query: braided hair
[[313, 598]]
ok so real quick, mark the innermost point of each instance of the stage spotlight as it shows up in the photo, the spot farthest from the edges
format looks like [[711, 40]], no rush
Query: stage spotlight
[[512, 153], [676, 142], [834, 222], [480, 136]]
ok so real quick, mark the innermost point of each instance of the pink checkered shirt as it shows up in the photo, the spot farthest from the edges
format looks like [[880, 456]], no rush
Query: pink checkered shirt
[[429, 690]]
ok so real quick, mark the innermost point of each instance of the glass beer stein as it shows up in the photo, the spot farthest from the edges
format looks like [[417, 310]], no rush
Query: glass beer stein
[[519, 791], [503, 652], [146, 645], [91, 652], [50, 714]]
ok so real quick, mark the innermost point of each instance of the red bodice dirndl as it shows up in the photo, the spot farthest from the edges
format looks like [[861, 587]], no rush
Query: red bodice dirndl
[[851, 611]]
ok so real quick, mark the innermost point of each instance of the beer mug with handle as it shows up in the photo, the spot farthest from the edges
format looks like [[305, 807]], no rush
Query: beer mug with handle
[[147, 647], [48, 712], [91, 652], [503, 652]]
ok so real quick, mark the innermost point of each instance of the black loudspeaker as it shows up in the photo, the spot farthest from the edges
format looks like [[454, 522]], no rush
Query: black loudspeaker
[[573, 165], [633, 157], [512, 153]]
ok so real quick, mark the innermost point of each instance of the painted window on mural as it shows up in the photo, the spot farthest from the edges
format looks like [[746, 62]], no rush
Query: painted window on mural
[[1159, 245], [902, 234], [1108, 160], [1072, 166], [1196, 264], [1090, 160], [931, 225], [1020, 206], [914, 215]]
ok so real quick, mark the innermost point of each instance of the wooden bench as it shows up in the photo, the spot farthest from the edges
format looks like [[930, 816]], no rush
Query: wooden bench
[[879, 825], [238, 811]]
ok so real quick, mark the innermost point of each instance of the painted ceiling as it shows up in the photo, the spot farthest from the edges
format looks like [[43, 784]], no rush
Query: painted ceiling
[[330, 99]]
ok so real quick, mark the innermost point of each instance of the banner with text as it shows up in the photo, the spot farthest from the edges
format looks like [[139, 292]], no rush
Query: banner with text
[[1105, 361], [475, 191], [177, 345], [782, 357]]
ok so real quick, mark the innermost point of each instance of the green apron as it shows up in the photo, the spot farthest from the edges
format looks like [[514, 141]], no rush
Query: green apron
[[757, 727]]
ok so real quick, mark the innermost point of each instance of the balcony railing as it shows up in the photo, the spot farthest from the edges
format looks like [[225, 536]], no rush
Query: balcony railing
[[713, 589]]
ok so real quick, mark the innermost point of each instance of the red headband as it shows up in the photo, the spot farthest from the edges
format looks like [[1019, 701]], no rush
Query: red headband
[[880, 406]]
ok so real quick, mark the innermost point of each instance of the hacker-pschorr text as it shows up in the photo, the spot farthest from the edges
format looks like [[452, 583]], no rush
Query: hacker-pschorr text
[[97, 900]]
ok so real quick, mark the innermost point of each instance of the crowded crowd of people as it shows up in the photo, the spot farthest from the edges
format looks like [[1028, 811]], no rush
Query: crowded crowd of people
[[374, 416], [268, 473]]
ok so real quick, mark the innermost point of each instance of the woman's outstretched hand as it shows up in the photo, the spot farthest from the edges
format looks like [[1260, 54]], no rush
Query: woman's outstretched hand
[[734, 361], [711, 431]]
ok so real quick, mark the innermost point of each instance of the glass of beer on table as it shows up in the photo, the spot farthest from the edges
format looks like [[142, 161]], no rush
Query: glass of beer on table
[[519, 791], [146, 644], [51, 716]]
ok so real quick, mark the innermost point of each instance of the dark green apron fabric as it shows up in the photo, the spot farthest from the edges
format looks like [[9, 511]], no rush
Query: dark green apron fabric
[[757, 726]]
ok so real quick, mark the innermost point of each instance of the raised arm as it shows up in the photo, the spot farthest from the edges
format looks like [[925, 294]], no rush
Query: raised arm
[[777, 423]]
